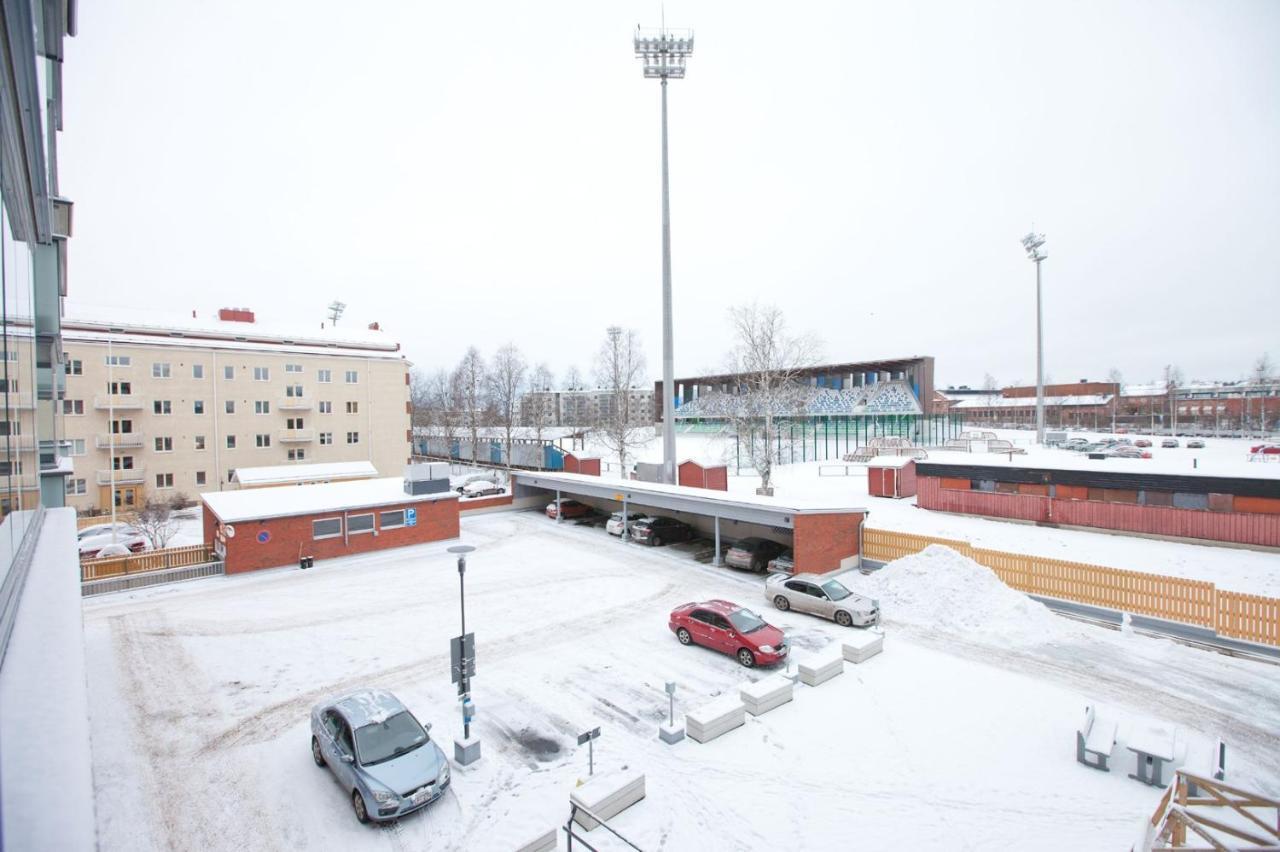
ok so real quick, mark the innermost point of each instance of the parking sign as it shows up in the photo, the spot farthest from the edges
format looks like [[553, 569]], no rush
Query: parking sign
[[410, 517]]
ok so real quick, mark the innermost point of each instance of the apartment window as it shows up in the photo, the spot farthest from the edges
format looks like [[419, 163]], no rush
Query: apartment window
[[359, 523], [10, 427], [353, 407], [293, 423], [230, 406], [164, 480], [263, 440], [164, 445], [10, 468], [392, 519], [231, 442], [199, 442], [228, 373], [326, 438], [353, 437], [293, 368], [161, 370], [118, 361], [326, 407], [11, 356], [261, 374], [200, 477], [197, 406], [197, 371], [120, 388], [326, 528], [297, 455], [231, 472], [122, 427], [352, 377], [324, 376], [78, 447], [73, 406], [75, 367], [161, 406], [293, 391], [76, 487], [261, 406], [122, 463]]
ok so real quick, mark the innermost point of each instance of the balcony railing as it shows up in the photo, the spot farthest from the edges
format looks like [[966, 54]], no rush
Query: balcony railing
[[131, 476], [24, 443], [297, 435], [124, 402], [294, 403], [121, 440]]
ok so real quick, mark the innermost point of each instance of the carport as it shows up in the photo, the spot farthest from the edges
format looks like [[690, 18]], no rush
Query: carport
[[825, 537]]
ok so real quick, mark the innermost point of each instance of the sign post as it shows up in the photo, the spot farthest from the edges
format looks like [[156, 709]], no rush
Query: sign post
[[671, 733], [462, 666], [589, 737]]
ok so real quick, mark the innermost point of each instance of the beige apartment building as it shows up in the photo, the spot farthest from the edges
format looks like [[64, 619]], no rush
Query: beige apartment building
[[158, 406]]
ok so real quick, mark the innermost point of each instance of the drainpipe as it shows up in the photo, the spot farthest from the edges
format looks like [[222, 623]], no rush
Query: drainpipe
[[862, 523]]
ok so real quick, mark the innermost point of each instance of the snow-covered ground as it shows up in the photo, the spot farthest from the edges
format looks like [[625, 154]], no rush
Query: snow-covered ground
[[960, 735]]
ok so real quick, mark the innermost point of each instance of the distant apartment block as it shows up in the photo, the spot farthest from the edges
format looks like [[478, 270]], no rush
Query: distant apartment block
[[583, 407], [165, 405]]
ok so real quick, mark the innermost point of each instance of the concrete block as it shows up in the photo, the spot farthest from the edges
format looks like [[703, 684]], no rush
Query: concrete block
[[606, 795], [671, 734], [545, 842], [766, 694], [715, 718], [861, 646], [466, 752], [821, 667]]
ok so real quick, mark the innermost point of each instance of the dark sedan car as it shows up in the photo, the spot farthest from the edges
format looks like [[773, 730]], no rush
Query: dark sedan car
[[659, 531], [752, 554]]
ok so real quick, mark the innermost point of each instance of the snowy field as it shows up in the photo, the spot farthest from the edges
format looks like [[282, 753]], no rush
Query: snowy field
[[961, 735]]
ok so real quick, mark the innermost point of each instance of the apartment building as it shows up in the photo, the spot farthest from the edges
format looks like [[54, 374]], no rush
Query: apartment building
[[158, 406], [582, 407]]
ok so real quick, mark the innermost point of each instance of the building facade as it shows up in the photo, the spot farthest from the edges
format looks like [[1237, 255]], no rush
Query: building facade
[[582, 407], [158, 407]]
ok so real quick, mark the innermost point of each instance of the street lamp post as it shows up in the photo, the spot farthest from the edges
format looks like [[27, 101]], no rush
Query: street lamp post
[[462, 653], [664, 53], [1033, 243]]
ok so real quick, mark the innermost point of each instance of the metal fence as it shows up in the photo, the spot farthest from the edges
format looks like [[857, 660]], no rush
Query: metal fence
[[124, 582], [1240, 616], [151, 560]]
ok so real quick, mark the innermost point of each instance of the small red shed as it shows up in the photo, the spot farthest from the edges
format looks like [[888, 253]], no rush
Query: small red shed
[[586, 465], [697, 475], [891, 476]]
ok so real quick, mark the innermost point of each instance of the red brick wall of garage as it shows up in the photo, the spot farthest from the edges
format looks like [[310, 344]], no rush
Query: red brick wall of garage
[[821, 541], [484, 502], [1236, 527], [291, 537]]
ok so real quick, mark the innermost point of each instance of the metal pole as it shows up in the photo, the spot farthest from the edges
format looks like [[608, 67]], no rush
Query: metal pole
[[668, 359], [111, 436], [591, 750], [462, 605], [1039, 363]]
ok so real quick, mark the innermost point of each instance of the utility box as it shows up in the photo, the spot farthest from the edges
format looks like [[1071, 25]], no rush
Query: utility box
[[891, 476]]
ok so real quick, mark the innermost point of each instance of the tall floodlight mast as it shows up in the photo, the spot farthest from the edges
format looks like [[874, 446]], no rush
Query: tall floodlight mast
[[335, 311], [664, 54], [1033, 243]]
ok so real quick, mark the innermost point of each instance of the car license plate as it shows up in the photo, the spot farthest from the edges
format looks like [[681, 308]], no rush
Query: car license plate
[[782, 652], [421, 796]]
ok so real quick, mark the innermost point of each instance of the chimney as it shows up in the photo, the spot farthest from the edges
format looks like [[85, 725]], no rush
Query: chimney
[[235, 315], [373, 326]]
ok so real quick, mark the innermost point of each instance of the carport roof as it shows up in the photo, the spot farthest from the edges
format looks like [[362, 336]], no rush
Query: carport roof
[[751, 508]]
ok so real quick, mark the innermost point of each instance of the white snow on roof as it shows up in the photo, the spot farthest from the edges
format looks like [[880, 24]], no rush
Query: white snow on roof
[[890, 461], [997, 401], [286, 500], [287, 474], [1179, 463]]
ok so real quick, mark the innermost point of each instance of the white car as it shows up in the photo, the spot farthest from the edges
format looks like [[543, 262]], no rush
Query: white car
[[822, 596], [481, 488], [92, 546], [613, 526], [122, 529]]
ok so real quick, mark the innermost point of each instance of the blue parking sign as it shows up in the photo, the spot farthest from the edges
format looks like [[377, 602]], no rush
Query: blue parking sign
[[410, 517]]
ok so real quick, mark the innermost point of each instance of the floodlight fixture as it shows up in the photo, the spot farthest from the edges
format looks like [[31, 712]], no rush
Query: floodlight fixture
[[1033, 243], [335, 310], [664, 52]]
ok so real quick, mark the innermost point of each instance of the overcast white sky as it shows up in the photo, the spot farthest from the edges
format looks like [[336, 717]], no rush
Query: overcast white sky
[[484, 172]]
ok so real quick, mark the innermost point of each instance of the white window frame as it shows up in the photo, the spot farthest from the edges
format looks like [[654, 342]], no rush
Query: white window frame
[[326, 439], [368, 515], [161, 370], [262, 374], [201, 478], [352, 377], [199, 443], [353, 406], [231, 442], [293, 368], [159, 441], [262, 440], [197, 371], [315, 521], [197, 403], [262, 406], [351, 435], [326, 406], [382, 523], [118, 360], [164, 477], [79, 447], [162, 405], [324, 377]]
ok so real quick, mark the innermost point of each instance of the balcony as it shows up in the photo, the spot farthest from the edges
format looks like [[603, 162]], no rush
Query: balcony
[[294, 403], [132, 476], [122, 440], [120, 402], [18, 400], [296, 436], [22, 443]]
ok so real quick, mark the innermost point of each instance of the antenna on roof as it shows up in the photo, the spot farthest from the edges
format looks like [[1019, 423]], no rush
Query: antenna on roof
[[335, 310]]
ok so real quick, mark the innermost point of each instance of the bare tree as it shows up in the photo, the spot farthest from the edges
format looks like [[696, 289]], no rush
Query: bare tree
[[506, 381], [542, 413], [1172, 381], [470, 377], [619, 370], [156, 521], [420, 399], [437, 405], [989, 383], [1115, 377], [1263, 377], [767, 362], [573, 379]]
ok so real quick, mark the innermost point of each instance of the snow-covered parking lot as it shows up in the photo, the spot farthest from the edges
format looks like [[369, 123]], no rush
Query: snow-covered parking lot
[[960, 735]]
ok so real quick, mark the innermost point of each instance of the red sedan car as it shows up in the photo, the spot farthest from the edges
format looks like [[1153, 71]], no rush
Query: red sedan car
[[729, 629], [569, 508]]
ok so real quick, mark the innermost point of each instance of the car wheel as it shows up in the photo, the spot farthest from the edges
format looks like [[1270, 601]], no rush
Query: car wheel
[[747, 658], [656, 541], [684, 637], [357, 802], [315, 752], [782, 603], [843, 618]]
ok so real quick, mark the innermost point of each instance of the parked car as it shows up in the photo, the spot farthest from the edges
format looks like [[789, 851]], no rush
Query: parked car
[[730, 629], [378, 752], [568, 508], [1075, 444], [1169, 443], [481, 488], [784, 563], [99, 529], [826, 597], [93, 546], [752, 554], [614, 525], [474, 478], [1125, 452], [1265, 449], [1195, 444], [1142, 442], [659, 531]]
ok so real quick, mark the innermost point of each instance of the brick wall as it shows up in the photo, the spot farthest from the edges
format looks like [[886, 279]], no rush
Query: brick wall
[[821, 541], [290, 538]]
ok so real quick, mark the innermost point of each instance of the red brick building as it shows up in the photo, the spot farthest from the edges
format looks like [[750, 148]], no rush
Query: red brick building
[[270, 527]]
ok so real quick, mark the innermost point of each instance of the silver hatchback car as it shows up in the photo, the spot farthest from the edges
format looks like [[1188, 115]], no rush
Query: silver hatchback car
[[822, 596], [379, 753]]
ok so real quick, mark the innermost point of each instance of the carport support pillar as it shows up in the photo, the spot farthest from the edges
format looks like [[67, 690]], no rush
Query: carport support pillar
[[715, 560], [625, 534], [559, 514]]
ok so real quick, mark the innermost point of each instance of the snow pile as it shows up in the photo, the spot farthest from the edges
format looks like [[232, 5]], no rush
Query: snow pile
[[941, 589]]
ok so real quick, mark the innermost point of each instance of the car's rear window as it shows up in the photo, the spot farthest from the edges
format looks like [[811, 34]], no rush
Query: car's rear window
[[392, 737]]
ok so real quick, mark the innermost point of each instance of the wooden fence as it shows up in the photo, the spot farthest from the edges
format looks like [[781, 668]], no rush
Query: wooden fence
[[1199, 602], [151, 560]]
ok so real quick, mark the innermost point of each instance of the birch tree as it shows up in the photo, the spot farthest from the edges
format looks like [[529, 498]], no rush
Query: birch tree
[[542, 415], [767, 363], [619, 369], [470, 378], [506, 381]]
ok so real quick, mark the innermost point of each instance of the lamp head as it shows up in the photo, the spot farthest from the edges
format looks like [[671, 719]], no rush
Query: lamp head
[[1032, 243]]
